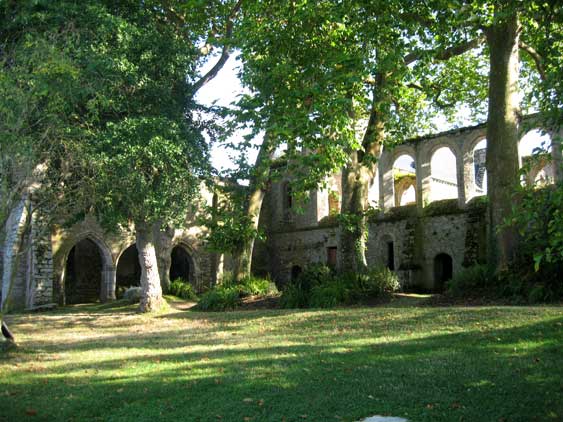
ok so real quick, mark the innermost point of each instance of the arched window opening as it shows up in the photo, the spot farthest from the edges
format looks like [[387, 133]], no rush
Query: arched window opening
[[83, 273], [443, 271], [443, 175], [333, 202], [404, 180], [534, 150], [181, 265], [331, 257], [128, 269], [479, 170]]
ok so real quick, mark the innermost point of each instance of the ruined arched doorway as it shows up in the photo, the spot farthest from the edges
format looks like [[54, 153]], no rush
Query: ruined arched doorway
[[181, 265], [295, 272], [443, 270], [128, 269], [83, 273]]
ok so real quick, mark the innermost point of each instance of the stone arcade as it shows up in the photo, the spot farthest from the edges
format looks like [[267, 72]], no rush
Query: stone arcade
[[429, 222]]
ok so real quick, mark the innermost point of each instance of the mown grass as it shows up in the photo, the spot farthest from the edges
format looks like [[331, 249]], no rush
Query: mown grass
[[108, 363]]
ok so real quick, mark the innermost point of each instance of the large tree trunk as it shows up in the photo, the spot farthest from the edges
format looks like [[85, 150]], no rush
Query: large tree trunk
[[163, 245], [357, 179], [502, 138], [242, 257], [151, 292]]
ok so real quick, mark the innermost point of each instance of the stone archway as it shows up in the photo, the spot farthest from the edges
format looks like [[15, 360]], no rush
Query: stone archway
[[443, 270], [128, 271], [84, 273], [182, 265]]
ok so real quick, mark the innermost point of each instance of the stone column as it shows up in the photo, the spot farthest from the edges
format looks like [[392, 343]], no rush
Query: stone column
[[460, 174], [107, 293], [423, 178]]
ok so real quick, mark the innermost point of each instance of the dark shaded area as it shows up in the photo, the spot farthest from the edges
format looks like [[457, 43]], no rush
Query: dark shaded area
[[391, 256], [295, 272], [180, 266], [83, 273], [128, 269], [443, 270]]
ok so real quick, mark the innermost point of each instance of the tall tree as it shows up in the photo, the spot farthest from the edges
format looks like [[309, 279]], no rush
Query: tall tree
[[117, 84], [323, 70]]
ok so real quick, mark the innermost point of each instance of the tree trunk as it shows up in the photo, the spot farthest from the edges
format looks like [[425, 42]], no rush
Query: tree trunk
[[357, 179], [502, 138], [163, 247], [242, 257], [354, 231], [151, 292]]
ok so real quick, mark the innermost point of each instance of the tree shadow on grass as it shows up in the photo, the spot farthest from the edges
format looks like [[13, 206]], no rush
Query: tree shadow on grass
[[476, 374]]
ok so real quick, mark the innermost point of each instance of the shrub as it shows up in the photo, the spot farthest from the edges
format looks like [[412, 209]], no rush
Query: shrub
[[220, 298], [331, 294], [252, 286], [477, 277], [318, 287], [182, 289], [379, 281], [132, 294], [294, 296]]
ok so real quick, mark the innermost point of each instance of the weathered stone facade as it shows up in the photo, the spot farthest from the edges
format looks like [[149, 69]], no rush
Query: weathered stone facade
[[425, 242]]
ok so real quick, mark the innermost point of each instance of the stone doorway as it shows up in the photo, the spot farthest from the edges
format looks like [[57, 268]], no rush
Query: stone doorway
[[181, 265], [128, 269], [443, 271], [83, 273]]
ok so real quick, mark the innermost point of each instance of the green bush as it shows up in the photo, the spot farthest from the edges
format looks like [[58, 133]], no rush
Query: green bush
[[317, 286], [329, 295], [220, 298], [252, 286], [294, 296], [477, 277], [379, 281], [182, 289]]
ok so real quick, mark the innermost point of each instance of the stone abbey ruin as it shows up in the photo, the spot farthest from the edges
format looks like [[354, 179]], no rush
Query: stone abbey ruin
[[428, 223]]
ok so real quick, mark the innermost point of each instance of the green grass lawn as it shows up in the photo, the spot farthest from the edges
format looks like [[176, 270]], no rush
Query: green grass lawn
[[108, 363]]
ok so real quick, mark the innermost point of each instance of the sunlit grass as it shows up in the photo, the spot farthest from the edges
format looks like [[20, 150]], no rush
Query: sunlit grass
[[109, 363]]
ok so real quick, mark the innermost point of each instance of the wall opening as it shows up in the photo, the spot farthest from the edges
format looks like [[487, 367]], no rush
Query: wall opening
[[331, 257], [390, 255], [333, 202], [288, 196], [83, 273], [443, 175], [534, 150], [443, 271], [295, 272], [128, 269], [404, 180], [479, 155], [181, 265]]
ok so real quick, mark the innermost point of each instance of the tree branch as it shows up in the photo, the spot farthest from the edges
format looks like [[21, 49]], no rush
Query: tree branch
[[538, 59], [224, 54], [446, 54]]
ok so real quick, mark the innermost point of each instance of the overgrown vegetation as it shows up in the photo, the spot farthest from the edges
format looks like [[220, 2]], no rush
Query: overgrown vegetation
[[182, 289], [230, 293], [319, 287]]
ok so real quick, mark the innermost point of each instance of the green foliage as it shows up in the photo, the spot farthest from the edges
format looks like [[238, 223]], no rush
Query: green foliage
[[317, 286], [229, 294], [469, 280], [229, 224], [182, 289], [220, 298]]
